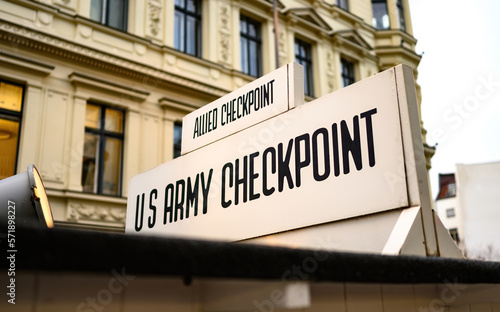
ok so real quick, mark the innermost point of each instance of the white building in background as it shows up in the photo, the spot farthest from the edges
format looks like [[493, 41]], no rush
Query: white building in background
[[469, 206]]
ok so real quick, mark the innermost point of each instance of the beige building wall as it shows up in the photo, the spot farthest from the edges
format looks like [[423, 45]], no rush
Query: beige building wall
[[64, 60]]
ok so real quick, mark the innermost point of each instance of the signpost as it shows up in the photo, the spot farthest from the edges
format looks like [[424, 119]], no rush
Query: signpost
[[330, 159]]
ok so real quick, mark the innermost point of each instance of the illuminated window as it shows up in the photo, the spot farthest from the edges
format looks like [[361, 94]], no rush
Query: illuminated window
[[177, 139], [187, 37], [250, 46], [112, 13], [380, 14], [11, 100], [303, 57], [103, 150], [347, 72]]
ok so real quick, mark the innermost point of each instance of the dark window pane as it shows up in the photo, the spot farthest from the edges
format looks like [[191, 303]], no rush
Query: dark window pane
[[250, 46], [380, 15], [401, 15], [243, 26], [253, 58], [116, 14], [191, 6], [344, 4], [179, 33], [347, 72], [303, 57], [96, 8], [191, 35], [187, 34], [177, 139], [112, 13], [244, 55]]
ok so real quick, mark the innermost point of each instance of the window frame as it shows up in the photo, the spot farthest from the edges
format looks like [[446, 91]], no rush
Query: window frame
[[386, 13], [308, 66], [343, 4], [257, 40], [197, 15], [347, 72], [103, 133], [450, 213], [401, 15], [105, 12], [11, 115]]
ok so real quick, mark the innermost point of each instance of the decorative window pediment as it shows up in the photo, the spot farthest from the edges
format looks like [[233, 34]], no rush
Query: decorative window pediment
[[309, 17], [353, 38], [109, 87]]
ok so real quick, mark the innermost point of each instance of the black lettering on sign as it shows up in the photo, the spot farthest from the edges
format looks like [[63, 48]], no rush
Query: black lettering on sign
[[247, 103], [139, 207], [369, 135], [272, 152], [285, 167], [315, 155], [205, 123], [152, 219]]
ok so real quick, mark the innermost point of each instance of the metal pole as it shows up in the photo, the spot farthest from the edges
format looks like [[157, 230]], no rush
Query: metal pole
[[276, 33]]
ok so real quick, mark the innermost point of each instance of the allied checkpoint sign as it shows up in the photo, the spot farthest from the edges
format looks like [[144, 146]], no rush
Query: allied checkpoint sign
[[268, 96], [319, 162]]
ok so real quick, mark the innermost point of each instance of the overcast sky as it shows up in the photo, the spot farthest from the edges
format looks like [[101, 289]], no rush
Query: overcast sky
[[460, 78]]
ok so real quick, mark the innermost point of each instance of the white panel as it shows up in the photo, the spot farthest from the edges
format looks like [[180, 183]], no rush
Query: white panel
[[259, 100], [310, 194]]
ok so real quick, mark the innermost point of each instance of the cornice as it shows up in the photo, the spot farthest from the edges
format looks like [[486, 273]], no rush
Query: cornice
[[384, 50], [26, 64], [60, 48], [81, 79]]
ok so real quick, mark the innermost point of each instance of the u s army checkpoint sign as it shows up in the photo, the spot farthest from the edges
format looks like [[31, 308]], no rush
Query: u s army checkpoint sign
[[320, 162]]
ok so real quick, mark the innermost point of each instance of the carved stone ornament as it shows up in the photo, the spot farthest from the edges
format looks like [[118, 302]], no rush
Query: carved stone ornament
[[224, 32], [82, 212], [154, 11]]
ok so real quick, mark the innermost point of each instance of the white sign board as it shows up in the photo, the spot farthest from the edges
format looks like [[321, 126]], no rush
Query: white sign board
[[326, 160], [259, 100]]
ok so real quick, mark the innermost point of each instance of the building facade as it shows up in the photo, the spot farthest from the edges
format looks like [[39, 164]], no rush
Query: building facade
[[93, 92], [470, 212]]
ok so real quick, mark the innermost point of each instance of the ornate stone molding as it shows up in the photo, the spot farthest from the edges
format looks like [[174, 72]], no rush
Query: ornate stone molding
[[92, 214], [153, 17], [330, 71], [60, 48], [225, 32]]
